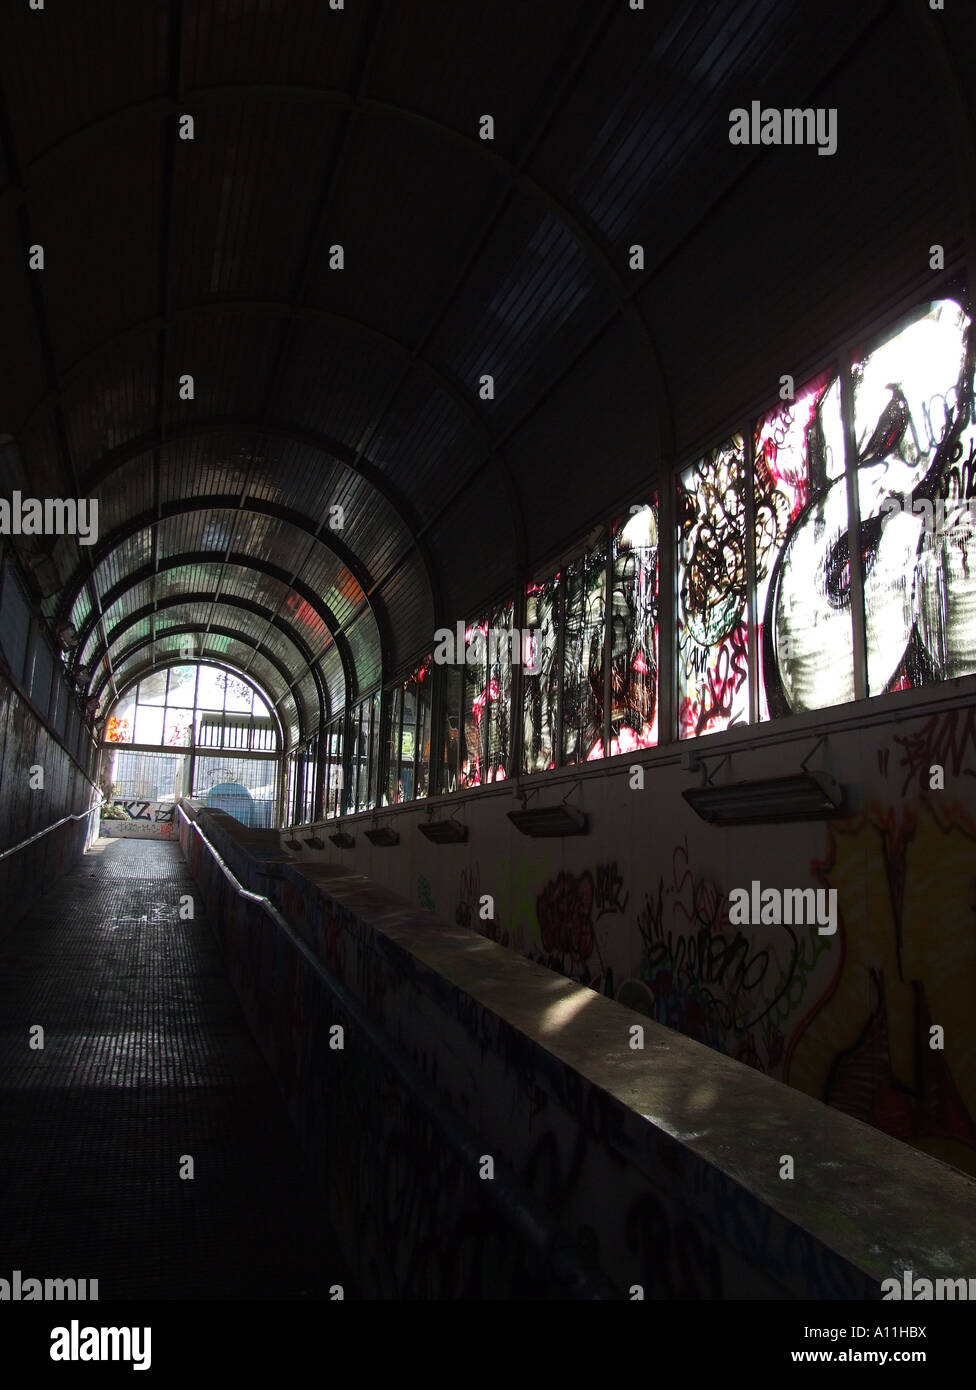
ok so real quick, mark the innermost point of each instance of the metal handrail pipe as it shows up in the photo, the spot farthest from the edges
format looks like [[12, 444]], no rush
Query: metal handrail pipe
[[15, 849]]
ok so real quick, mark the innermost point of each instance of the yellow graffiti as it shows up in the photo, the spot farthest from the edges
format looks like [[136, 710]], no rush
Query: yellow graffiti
[[905, 883]]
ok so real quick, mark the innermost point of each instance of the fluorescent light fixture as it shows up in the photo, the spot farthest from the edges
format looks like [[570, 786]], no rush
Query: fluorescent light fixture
[[314, 842], [544, 822], [342, 839], [803, 796], [293, 843], [382, 836], [444, 832]]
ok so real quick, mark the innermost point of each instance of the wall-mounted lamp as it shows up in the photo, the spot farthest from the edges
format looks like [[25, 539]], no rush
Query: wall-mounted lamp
[[448, 831], [547, 822], [382, 836]]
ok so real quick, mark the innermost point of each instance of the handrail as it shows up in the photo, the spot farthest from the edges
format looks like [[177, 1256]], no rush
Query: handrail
[[15, 849], [518, 1206], [243, 892]]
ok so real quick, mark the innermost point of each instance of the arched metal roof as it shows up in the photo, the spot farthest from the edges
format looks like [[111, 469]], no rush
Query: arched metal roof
[[359, 388]]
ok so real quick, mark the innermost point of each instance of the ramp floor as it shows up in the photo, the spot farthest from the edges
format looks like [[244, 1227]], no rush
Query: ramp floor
[[146, 1062]]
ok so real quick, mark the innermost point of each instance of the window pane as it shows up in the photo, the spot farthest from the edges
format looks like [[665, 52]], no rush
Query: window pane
[[803, 609], [540, 686], [152, 690], [334, 774], [404, 776], [586, 584], [475, 668], [211, 689], [712, 630], [361, 725], [394, 716], [149, 724], [453, 689], [182, 684], [177, 726], [633, 711], [119, 726], [916, 476], [238, 695], [374, 751], [498, 693], [423, 734]]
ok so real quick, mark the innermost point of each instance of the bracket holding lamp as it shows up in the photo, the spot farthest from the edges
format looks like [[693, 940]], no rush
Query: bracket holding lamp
[[802, 796]]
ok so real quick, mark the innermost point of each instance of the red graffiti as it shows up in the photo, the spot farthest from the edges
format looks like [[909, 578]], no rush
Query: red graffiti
[[565, 913]]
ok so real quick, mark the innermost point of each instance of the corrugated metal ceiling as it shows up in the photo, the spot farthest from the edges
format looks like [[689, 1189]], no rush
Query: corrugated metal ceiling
[[316, 387]]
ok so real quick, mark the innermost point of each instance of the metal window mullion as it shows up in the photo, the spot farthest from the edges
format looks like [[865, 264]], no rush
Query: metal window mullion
[[752, 655], [608, 643], [667, 605], [378, 747], [418, 740], [383, 756], [369, 750], [489, 715], [347, 790], [854, 528], [513, 761], [560, 665]]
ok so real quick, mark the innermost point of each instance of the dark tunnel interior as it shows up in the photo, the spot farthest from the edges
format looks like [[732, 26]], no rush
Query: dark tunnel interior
[[487, 657]]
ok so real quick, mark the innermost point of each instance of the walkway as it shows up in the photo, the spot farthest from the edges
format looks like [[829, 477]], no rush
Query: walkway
[[146, 1059]]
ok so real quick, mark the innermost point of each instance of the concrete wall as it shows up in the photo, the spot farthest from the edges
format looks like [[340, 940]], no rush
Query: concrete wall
[[615, 1166], [25, 743], [638, 909]]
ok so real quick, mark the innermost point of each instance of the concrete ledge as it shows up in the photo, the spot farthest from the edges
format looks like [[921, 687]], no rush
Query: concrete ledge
[[664, 1162]]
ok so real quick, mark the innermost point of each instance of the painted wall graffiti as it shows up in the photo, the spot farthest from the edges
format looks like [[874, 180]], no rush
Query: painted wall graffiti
[[425, 895], [910, 963], [945, 739], [157, 811], [729, 988], [565, 912], [142, 820], [638, 911], [514, 886], [469, 891]]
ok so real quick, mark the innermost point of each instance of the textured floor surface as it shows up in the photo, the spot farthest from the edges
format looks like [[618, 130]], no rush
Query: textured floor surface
[[146, 1059]]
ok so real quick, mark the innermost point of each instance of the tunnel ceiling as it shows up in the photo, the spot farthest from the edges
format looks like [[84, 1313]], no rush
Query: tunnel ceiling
[[317, 387]]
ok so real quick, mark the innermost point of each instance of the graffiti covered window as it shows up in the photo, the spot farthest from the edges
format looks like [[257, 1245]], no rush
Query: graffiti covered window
[[194, 705], [408, 757], [494, 725], [585, 591], [634, 632], [916, 473], [475, 677], [120, 725], [484, 728], [394, 731], [804, 625], [540, 687], [712, 628], [453, 678], [766, 564], [423, 683]]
